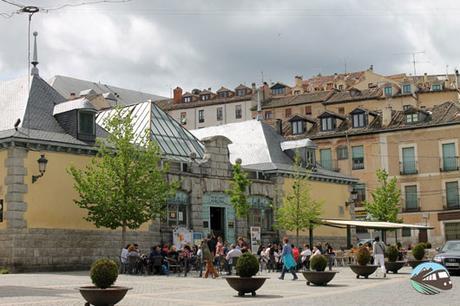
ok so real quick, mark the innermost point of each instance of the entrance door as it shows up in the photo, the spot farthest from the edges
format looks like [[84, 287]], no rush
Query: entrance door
[[217, 218], [422, 235]]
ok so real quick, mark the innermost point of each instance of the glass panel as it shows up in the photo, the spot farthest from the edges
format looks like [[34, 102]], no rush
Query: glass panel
[[411, 197], [86, 123], [452, 231], [325, 156], [357, 157], [409, 164], [452, 199], [449, 159]]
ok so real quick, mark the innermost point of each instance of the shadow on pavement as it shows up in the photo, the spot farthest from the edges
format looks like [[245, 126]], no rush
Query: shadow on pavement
[[21, 291], [261, 296]]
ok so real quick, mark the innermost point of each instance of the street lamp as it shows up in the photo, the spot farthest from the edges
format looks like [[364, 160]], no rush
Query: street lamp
[[42, 161]]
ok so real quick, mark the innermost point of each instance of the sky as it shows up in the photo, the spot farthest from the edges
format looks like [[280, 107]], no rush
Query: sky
[[154, 46]]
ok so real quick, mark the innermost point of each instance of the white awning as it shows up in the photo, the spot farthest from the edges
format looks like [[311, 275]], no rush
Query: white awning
[[373, 224], [297, 144]]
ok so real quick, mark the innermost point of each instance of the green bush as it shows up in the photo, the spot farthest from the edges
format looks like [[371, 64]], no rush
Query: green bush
[[364, 256], [4, 270], [318, 263], [104, 273], [392, 253], [418, 251], [247, 265]]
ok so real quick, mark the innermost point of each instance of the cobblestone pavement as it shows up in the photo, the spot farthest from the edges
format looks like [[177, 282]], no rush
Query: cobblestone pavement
[[52, 289]]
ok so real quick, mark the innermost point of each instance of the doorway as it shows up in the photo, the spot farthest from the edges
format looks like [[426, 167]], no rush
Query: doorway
[[217, 218], [422, 235]]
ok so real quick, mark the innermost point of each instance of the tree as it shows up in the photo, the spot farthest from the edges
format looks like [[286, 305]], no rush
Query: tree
[[385, 199], [126, 184], [299, 211], [238, 188]]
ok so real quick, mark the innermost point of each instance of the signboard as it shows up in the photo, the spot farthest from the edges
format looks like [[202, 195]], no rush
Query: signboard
[[182, 237], [197, 238], [255, 238]]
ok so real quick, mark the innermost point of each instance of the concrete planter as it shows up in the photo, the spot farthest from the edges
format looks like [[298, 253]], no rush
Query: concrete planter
[[361, 270], [245, 284], [394, 266], [319, 278], [103, 297], [415, 263]]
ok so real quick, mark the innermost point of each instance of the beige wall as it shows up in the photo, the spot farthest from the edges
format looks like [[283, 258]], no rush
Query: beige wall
[[431, 99], [3, 155]]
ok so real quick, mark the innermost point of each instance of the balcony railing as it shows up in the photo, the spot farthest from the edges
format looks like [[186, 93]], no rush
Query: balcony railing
[[413, 206], [448, 164], [331, 165], [451, 203], [408, 167], [357, 163]]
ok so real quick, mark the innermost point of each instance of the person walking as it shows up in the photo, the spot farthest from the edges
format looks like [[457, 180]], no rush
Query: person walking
[[209, 258], [379, 254], [330, 256], [289, 263]]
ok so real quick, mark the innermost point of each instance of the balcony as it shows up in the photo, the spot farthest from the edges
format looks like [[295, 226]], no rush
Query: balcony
[[408, 167], [357, 163], [411, 209], [451, 202], [447, 164], [411, 205], [331, 165]]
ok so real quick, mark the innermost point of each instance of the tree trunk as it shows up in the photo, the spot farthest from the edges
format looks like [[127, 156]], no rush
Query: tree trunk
[[310, 236], [297, 237], [123, 236]]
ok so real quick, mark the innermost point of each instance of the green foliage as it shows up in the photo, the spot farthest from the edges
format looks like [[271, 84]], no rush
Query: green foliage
[[237, 191], [125, 185], [419, 251], [318, 263], [298, 211], [386, 199], [104, 273], [427, 245], [364, 256], [4, 270], [392, 253], [247, 265]]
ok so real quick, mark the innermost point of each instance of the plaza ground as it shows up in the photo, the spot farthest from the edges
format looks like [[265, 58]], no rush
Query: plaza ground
[[59, 289]]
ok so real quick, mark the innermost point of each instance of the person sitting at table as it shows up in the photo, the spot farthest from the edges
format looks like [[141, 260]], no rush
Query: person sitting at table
[[230, 258]]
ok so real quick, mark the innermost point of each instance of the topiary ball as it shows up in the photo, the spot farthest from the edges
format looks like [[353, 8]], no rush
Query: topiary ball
[[247, 265], [419, 251], [318, 263], [392, 253], [104, 273], [364, 256]]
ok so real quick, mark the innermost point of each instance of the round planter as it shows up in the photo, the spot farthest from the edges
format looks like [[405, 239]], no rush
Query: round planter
[[245, 284], [363, 270], [394, 266], [103, 297], [415, 263], [319, 278]]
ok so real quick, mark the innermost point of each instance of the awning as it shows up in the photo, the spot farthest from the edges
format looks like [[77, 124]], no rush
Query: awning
[[373, 224]]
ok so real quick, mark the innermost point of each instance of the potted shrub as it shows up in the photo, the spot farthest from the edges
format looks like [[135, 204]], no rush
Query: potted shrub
[[418, 252], [104, 273], [393, 264], [317, 275], [246, 267], [363, 268]]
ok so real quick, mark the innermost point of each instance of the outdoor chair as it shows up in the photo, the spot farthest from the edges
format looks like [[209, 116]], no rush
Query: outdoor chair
[[339, 258], [133, 263], [155, 264]]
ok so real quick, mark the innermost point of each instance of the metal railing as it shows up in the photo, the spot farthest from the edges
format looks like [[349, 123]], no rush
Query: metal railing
[[448, 164], [408, 167], [331, 165]]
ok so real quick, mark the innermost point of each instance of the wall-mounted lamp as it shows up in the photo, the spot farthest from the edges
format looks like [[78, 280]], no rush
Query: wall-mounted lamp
[[353, 198], [42, 161]]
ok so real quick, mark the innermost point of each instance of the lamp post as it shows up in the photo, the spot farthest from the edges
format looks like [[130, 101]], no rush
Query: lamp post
[[42, 162]]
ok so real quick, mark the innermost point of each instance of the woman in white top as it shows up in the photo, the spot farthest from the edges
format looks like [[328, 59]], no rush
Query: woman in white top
[[306, 253]]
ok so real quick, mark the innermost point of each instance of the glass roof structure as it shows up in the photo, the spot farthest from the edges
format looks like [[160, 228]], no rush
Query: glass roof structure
[[175, 141]]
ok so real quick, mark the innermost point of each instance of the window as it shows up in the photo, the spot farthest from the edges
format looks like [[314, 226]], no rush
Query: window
[[298, 127], [238, 112], [436, 87], [342, 110], [268, 115], [357, 155], [201, 116], [325, 157], [327, 124], [287, 112], [406, 88], [449, 157], [409, 164], [256, 217], [412, 118], [241, 92], [187, 99], [86, 123], [183, 118], [177, 210], [360, 190], [340, 87], [406, 107], [406, 232], [411, 199], [296, 92], [452, 200], [223, 94], [308, 110], [278, 91], [359, 120], [452, 230], [342, 152], [388, 91], [205, 97], [219, 114]]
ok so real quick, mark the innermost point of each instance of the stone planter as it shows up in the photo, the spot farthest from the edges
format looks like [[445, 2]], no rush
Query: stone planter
[[394, 266], [365, 271], [319, 278], [245, 284], [414, 263], [103, 297]]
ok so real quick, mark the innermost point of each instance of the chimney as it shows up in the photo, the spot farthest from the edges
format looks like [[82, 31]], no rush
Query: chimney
[[177, 93], [386, 115], [298, 81], [279, 126], [72, 96], [457, 80], [425, 77], [371, 68], [253, 86]]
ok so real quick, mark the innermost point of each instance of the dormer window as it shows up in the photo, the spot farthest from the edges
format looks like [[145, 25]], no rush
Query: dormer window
[[187, 99], [298, 127], [86, 123], [278, 91], [205, 97], [388, 91], [223, 94], [328, 124], [359, 120], [406, 89], [412, 118], [241, 92], [436, 87]]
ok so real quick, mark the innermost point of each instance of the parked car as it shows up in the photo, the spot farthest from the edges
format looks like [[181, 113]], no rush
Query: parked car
[[449, 255]]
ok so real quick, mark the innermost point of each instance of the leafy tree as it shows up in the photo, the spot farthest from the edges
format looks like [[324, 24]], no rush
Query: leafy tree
[[125, 185], [238, 188], [299, 211], [385, 199]]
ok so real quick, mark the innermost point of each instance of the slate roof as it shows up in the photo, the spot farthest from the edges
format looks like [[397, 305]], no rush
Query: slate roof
[[354, 95], [168, 104], [66, 85], [306, 98]]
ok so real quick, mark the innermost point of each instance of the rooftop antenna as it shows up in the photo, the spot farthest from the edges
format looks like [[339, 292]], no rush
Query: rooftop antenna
[[414, 61]]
